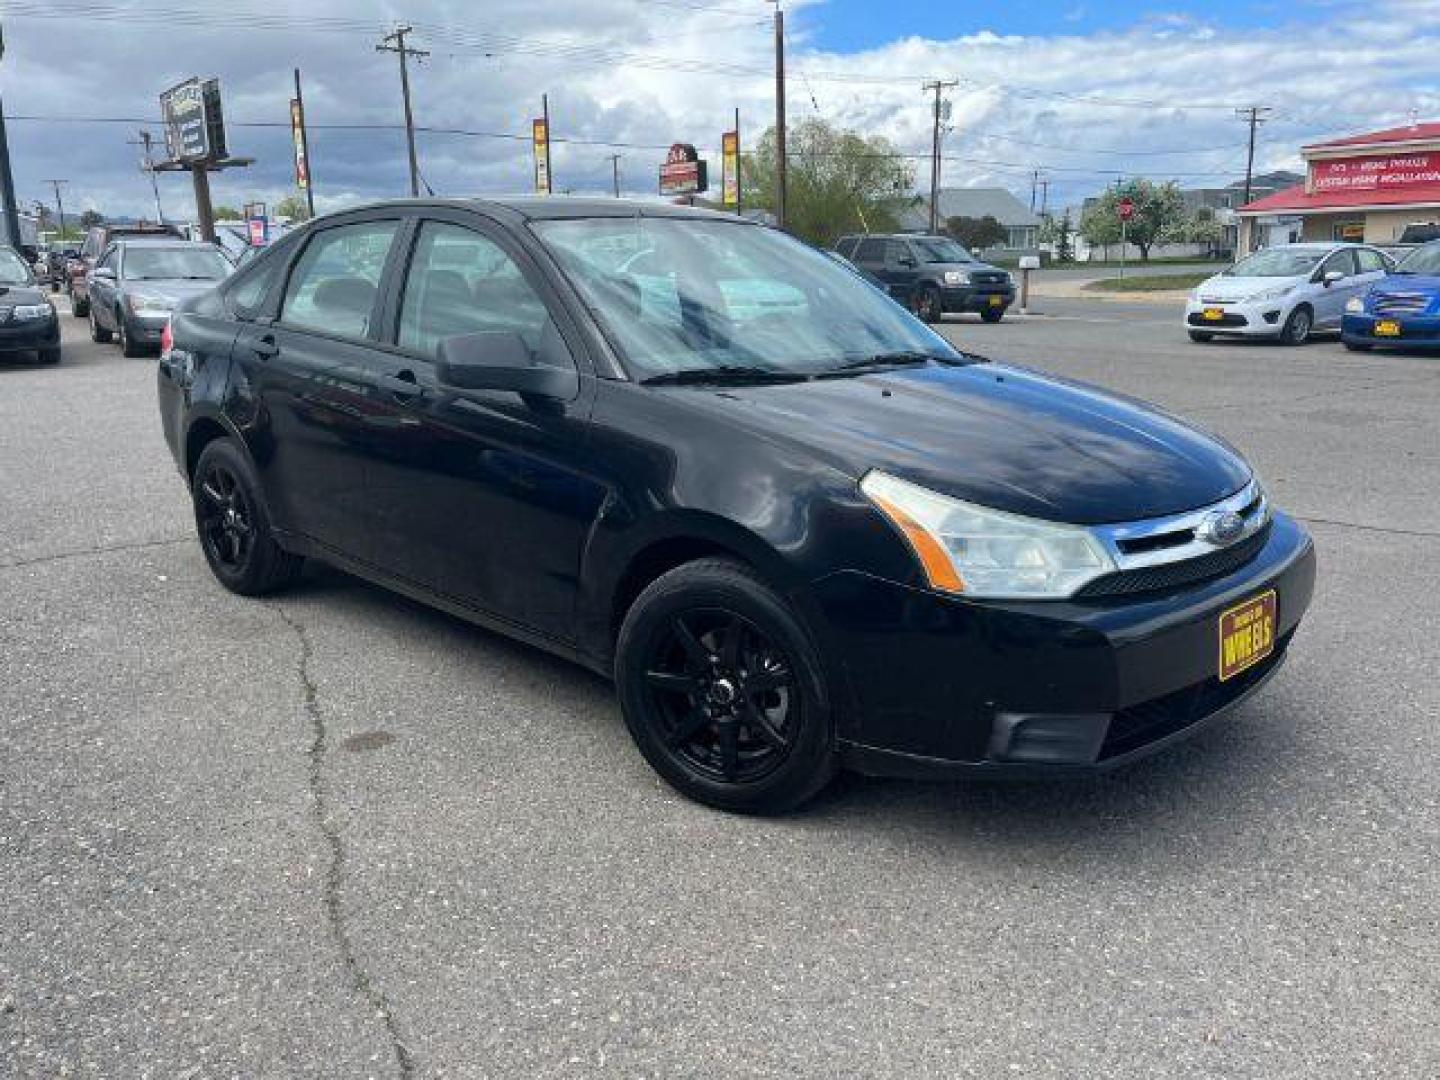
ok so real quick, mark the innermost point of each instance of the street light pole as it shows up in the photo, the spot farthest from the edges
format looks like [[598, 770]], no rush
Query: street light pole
[[779, 116]]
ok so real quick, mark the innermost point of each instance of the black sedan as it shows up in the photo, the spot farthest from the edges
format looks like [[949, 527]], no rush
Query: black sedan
[[27, 318], [799, 529]]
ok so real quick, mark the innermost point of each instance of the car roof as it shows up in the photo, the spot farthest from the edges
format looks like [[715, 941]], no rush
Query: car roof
[[558, 207], [162, 242]]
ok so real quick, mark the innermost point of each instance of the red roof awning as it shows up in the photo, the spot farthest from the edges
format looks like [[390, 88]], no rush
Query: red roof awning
[[1295, 200], [1408, 133]]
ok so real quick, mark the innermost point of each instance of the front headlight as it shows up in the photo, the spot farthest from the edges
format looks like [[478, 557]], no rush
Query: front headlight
[[25, 312], [148, 304], [956, 277], [975, 551], [1355, 305], [1270, 294]]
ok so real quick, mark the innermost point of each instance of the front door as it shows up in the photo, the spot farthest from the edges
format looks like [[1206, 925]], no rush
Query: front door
[[479, 496], [902, 269], [1330, 302]]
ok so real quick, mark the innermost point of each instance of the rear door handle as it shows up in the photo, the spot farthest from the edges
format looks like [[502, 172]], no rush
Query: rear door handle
[[264, 346], [402, 386]]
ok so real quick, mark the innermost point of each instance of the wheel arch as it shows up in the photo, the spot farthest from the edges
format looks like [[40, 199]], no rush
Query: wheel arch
[[201, 431]]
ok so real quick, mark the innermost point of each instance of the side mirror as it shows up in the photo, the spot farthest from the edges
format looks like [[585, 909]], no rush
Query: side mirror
[[907, 261], [500, 360], [1331, 277]]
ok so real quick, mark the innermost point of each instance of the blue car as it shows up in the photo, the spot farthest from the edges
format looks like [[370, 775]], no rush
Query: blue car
[[1402, 308]]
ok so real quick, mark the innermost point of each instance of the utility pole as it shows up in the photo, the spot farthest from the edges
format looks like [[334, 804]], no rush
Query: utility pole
[[1255, 115], [148, 166], [779, 116], [939, 86], [1034, 183], [7, 179], [1044, 195], [397, 36], [615, 172], [59, 204]]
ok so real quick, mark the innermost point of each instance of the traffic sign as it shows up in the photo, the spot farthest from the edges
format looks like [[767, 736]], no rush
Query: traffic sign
[[1126, 208]]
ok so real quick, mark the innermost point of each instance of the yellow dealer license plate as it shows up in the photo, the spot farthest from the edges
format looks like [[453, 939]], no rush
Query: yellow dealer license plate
[[996, 301], [1214, 314], [1387, 328], [1247, 634]]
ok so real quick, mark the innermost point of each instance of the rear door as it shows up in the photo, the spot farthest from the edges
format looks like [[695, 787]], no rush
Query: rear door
[[870, 256], [902, 269], [102, 292], [305, 376]]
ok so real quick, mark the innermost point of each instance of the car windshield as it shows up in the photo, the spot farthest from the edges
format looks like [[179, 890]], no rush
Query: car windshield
[[154, 263], [1277, 262], [942, 251], [13, 269], [1425, 260], [684, 296]]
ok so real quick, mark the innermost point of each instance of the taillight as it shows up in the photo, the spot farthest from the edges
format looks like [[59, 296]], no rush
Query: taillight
[[167, 339]]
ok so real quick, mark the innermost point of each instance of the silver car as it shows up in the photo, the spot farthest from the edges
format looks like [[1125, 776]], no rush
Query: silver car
[[137, 283], [1287, 292]]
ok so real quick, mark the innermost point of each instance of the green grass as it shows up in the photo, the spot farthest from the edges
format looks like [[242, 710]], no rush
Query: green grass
[[1158, 260], [1150, 283]]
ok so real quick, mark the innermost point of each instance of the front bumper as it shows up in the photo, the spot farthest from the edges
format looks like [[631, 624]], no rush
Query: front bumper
[[1241, 318], [958, 298], [147, 328], [1414, 330], [939, 685], [29, 334]]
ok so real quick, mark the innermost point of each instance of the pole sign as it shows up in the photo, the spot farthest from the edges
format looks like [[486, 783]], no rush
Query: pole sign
[[683, 172], [297, 133], [1126, 208], [194, 121], [730, 168], [259, 231], [540, 136]]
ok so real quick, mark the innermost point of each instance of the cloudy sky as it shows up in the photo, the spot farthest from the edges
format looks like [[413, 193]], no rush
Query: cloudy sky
[[1085, 90]]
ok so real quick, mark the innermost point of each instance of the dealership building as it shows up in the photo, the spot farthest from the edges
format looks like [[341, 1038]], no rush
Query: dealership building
[[1368, 187]]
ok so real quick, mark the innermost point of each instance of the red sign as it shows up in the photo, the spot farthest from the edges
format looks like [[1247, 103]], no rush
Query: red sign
[[1395, 173], [683, 172], [1126, 207]]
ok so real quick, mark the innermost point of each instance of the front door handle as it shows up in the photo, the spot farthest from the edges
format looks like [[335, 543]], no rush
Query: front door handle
[[402, 386], [264, 346]]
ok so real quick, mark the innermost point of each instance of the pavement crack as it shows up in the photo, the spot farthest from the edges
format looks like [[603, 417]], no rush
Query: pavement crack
[[360, 980], [1386, 529], [82, 553]]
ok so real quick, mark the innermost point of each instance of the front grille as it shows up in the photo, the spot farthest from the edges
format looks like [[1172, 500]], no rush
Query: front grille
[[1230, 318], [1400, 303], [1173, 575], [1160, 717], [988, 279], [5, 313]]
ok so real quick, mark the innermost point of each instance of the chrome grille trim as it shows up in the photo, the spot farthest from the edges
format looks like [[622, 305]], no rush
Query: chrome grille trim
[[1250, 502], [1406, 303]]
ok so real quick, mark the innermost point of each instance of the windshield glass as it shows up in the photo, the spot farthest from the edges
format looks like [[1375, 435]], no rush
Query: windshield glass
[[1425, 260], [688, 295], [942, 251], [1277, 262], [151, 263], [13, 270]]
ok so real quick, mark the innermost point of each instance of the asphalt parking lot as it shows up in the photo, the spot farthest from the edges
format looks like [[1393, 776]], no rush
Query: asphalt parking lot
[[338, 834]]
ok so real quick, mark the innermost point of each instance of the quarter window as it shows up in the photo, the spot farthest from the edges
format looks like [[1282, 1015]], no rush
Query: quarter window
[[461, 282], [250, 291], [871, 251], [332, 288], [1370, 260]]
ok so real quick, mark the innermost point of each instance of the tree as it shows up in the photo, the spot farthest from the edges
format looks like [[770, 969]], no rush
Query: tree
[[837, 182], [293, 207], [1059, 233], [1159, 210], [91, 218], [977, 233], [226, 213]]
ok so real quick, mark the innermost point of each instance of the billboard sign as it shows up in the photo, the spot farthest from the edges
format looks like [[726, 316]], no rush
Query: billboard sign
[[730, 168], [540, 137], [194, 123], [258, 231], [683, 172], [297, 133], [1398, 172]]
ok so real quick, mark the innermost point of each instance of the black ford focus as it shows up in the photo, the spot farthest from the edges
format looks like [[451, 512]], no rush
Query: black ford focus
[[799, 529]]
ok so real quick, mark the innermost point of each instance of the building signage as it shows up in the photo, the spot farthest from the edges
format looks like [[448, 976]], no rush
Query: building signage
[[683, 172], [730, 168], [1392, 173], [194, 123], [297, 132], [540, 137]]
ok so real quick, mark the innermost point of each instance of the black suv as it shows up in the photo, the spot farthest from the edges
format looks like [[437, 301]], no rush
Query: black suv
[[797, 527], [932, 275]]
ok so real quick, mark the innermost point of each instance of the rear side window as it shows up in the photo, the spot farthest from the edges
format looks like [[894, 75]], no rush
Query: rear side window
[[870, 251], [332, 288], [1370, 261], [897, 251]]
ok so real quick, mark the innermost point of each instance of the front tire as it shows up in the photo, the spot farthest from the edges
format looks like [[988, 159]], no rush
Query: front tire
[[722, 690], [50, 354], [1298, 326], [1358, 346], [98, 333], [1201, 336], [234, 524], [927, 304], [992, 314]]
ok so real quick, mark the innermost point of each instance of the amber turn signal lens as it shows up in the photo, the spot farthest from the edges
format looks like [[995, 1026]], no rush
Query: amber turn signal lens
[[939, 570]]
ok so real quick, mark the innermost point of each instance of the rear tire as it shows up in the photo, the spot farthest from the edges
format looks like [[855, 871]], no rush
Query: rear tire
[[1296, 330], [78, 307], [723, 690], [49, 355], [98, 333], [234, 524], [127, 340], [1201, 336]]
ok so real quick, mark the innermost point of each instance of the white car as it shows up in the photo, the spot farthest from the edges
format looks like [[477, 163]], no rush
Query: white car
[[1287, 292]]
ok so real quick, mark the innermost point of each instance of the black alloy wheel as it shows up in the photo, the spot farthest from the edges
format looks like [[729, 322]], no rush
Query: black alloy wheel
[[233, 525], [721, 690], [926, 304]]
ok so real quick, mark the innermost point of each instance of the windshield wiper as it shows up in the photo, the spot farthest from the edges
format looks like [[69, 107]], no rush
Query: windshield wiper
[[724, 373], [878, 362]]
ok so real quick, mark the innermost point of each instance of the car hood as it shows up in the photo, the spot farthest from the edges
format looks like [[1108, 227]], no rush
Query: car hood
[[966, 267], [10, 295], [1223, 287], [1428, 284], [996, 435], [172, 289]]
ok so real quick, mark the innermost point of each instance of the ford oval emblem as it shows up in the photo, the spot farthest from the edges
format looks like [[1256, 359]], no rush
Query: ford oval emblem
[[1221, 528]]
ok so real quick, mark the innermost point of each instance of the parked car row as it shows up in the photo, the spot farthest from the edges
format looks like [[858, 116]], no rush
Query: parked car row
[[28, 323], [137, 281]]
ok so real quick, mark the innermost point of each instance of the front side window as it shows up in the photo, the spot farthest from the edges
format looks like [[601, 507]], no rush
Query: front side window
[[461, 282], [870, 251], [1423, 260], [942, 251], [249, 292], [201, 263], [701, 295], [332, 288], [1342, 262], [1370, 261]]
